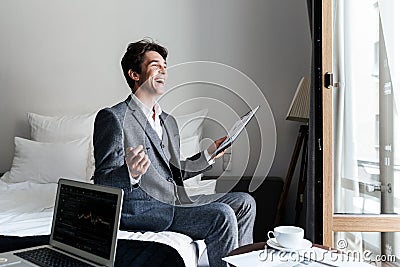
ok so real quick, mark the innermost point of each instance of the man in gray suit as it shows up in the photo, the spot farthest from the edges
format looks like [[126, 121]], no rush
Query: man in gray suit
[[136, 148]]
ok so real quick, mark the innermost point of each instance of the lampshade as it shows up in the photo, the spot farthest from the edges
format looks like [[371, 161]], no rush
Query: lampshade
[[299, 109]]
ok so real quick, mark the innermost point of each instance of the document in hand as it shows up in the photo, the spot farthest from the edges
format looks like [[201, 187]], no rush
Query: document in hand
[[234, 132]]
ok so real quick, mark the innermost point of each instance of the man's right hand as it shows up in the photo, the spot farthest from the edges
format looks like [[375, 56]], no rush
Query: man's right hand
[[137, 161]]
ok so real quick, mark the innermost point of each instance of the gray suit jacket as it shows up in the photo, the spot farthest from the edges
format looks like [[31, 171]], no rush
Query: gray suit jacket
[[150, 206]]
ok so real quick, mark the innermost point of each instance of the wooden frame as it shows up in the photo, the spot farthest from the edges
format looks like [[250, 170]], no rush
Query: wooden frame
[[338, 222], [366, 223], [327, 161]]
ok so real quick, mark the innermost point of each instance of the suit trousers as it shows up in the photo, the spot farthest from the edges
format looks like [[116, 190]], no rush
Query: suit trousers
[[224, 221]]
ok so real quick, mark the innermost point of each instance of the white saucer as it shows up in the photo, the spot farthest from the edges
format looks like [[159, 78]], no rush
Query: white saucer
[[305, 244]]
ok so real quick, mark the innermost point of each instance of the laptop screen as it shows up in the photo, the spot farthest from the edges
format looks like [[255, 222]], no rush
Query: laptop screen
[[85, 219]]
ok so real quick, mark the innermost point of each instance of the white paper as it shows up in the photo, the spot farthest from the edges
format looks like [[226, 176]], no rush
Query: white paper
[[234, 132], [251, 259]]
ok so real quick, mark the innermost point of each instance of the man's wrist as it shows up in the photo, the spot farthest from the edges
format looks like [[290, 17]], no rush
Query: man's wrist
[[134, 180], [210, 160]]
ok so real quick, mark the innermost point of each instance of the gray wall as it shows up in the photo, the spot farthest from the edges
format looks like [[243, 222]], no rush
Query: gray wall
[[62, 57]]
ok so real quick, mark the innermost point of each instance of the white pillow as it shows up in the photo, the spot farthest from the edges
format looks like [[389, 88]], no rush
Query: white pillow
[[47, 162], [189, 147], [64, 128], [191, 124], [195, 186], [60, 128]]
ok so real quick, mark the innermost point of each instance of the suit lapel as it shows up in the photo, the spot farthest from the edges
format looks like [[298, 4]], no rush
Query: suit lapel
[[138, 114]]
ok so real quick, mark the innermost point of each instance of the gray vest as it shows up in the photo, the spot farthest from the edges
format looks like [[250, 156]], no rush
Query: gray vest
[[165, 143]]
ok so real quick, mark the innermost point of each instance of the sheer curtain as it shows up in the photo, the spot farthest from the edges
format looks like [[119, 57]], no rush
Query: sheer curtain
[[345, 159], [345, 146], [390, 19], [389, 11], [362, 29]]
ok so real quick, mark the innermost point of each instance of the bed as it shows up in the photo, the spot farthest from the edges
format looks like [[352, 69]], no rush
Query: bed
[[61, 146]]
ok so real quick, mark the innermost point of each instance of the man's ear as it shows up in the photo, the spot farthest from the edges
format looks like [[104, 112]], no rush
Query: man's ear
[[134, 75]]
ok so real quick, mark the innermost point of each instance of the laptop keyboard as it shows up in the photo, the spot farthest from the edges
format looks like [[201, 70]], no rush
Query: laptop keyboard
[[47, 257]]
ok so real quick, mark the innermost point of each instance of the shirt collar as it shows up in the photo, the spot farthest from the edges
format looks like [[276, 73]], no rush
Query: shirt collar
[[146, 110]]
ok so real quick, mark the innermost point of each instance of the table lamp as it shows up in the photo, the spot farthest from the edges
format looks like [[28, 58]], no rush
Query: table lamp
[[299, 110]]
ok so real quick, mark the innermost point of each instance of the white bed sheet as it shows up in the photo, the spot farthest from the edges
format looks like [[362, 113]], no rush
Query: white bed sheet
[[26, 209], [186, 247]]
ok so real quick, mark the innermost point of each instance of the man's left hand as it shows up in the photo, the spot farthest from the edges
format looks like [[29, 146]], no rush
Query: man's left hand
[[211, 149]]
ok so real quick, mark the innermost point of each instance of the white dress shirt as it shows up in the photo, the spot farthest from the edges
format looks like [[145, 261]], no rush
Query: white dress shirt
[[148, 112]]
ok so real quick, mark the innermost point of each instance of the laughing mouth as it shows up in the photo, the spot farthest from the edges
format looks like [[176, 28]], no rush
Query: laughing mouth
[[160, 81]]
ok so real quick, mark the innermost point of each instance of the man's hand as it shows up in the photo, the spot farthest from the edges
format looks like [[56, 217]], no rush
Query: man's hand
[[211, 149], [137, 161]]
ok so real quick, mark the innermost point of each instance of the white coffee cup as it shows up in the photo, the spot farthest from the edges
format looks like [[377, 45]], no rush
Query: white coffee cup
[[287, 236]]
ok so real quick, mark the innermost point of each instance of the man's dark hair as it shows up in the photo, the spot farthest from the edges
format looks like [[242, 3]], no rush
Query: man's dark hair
[[134, 57]]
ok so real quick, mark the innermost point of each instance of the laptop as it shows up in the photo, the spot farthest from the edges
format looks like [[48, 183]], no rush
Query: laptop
[[84, 229]]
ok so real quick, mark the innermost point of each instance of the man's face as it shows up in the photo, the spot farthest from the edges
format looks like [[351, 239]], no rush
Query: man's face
[[154, 73]]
